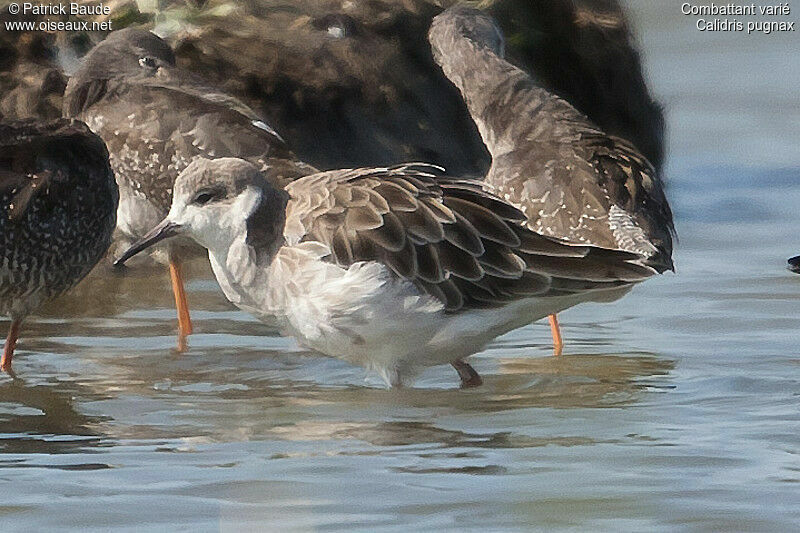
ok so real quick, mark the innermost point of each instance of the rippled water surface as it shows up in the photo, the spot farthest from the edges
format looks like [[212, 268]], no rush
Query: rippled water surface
[[676, 408]]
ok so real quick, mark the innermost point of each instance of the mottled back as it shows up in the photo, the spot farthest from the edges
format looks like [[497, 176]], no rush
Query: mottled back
[[58, 202], [570, 179], [156, 118], [452, 238]]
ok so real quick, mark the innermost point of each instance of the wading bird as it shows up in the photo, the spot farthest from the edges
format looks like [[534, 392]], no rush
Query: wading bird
[[58, 203], [155, 119], [394, 269], [572, 180]]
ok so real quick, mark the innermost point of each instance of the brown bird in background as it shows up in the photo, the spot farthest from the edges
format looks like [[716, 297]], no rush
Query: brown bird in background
[[572, 180], [155, 119]]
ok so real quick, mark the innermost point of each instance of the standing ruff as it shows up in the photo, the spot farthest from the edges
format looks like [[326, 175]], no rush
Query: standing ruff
[[394, 269], [58, 202], [570, 179]]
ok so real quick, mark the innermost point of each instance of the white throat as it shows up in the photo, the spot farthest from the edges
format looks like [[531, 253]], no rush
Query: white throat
[[219, 230]]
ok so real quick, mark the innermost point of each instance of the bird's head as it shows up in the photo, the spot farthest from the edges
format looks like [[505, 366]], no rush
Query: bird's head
[[458, 23], [218, 203], [127, 53], [794, 264]]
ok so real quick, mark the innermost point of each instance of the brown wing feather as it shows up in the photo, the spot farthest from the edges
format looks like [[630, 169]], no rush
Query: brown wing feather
[[154, 127], [454, 240]]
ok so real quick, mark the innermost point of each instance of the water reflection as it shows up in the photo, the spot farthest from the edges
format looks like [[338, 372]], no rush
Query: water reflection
[[410, 433], [586, 380], [110, 291], [43, 418], [240, 422], [242, 385]]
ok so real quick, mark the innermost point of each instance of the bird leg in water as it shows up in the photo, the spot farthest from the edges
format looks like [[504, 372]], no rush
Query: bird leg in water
[[469, 377], [558, 343], [11, 343], [184, 321]]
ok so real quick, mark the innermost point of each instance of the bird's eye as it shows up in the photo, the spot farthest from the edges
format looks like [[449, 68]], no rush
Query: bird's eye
[[205, 196], [147, 62]]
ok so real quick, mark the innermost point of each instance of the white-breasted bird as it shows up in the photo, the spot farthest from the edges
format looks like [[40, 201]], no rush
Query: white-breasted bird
[[394, 268]]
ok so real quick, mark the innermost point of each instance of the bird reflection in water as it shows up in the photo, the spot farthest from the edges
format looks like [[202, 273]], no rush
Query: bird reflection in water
[[44, 418]]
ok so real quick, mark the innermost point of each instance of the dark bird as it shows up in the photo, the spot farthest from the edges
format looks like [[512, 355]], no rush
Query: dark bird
[[59, 204], [794, 264], [155, 119], [393, 268]]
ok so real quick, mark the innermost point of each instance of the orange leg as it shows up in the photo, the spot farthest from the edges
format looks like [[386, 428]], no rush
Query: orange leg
[[558, 343], [11, 343], [184, 321]]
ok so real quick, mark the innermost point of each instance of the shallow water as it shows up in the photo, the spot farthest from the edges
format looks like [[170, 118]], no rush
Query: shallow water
[[675, 408]]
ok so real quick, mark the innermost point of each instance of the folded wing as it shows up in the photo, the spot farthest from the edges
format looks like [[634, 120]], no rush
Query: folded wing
[[450, 237]]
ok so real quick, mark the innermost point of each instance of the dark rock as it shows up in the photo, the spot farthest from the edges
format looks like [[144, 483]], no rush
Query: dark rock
[[352, 82]]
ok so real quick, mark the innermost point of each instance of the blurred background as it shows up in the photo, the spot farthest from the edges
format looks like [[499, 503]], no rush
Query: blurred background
[[675, 408], [353, 83]]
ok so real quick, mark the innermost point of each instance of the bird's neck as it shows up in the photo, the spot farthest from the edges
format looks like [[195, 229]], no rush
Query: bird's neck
[[491, 87], [282, 291], [245, 279]]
